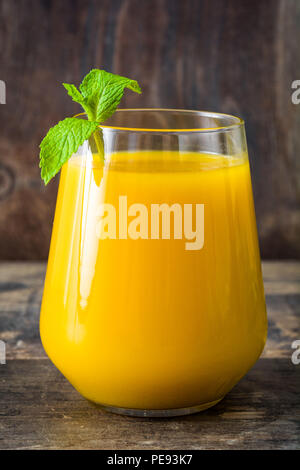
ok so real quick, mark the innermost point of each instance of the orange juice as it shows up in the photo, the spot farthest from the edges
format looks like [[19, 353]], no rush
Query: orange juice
[[146, 323]]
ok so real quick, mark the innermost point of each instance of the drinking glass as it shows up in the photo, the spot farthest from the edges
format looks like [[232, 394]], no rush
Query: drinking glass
[[153, 302]]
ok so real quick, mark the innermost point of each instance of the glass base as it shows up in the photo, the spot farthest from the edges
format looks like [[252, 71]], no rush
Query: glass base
[[140, 413]]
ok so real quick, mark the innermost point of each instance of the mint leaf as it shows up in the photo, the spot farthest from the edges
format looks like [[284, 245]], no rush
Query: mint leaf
[[74, 93], [100, 94], [61, 142], [78, 98], [103, 91]]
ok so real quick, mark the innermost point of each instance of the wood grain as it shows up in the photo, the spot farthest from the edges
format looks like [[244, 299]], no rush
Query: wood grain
[[229, 56], [39, 409]]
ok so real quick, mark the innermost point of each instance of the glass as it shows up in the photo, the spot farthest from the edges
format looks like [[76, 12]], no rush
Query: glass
[[153, 302]]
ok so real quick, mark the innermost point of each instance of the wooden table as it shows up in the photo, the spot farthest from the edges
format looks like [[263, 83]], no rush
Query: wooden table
[[39, 409]]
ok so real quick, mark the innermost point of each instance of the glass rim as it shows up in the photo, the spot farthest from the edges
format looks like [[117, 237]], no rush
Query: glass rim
[[239, 122]]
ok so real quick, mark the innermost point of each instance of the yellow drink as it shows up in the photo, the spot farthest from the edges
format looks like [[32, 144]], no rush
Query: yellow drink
[[146, 323]]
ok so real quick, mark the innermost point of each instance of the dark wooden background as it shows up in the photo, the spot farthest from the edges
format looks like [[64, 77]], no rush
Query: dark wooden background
[[235, 56]]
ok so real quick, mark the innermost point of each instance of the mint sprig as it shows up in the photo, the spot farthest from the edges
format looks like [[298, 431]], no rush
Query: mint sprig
[[61, 142], [100, 94]]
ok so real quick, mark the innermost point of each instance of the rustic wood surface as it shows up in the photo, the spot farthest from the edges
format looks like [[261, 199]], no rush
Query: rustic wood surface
[[232, 56], [39, 409]]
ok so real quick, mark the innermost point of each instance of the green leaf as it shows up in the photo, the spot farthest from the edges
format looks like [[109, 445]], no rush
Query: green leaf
[[77, 97], [103, 91], [100, 94], [74, 93], [61, 142]]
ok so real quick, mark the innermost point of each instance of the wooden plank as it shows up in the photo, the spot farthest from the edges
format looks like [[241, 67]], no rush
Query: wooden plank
[[281, 278], [21, 287], [279, 271], [39, 409]]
